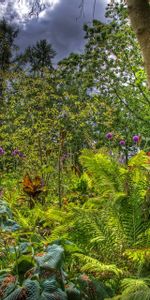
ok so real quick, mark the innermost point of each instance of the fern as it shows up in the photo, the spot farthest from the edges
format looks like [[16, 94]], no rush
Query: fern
[[113, 221], [105, 173], [135, 289], [93, 265], [29, 219]]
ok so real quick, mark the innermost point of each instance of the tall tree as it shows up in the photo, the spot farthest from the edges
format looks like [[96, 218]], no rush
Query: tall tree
[[8, 33], [39, 56], [139, 14]]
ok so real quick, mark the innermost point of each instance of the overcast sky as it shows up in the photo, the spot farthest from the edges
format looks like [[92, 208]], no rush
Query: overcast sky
[[61, 23]]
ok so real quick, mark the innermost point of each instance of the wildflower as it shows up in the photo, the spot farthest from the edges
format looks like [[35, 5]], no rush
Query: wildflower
[[2, 152], [122, 143], [15, 152], [109, 135], [111, 153], [136, 138], [21, 154], [122, 160]]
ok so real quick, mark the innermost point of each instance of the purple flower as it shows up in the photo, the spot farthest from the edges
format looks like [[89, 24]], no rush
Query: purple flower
[[109, 135], [122, 143], [2, 152], [111, 153], [136, 138], [21, 154], [122, 159], [15, 152]]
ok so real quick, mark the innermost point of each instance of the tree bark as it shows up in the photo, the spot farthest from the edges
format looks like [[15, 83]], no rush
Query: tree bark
[[139, 14]]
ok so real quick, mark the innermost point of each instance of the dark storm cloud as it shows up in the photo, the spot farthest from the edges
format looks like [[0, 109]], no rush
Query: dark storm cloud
[[62, 26]]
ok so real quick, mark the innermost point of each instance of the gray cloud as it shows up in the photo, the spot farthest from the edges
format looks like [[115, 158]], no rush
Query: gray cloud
[[62, 26]]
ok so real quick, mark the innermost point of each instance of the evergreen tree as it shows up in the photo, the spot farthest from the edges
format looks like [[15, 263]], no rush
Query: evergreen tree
[[39, 57], [8, 33]]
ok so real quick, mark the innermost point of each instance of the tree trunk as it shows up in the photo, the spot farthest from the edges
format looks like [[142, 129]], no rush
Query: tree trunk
[[139, 14]]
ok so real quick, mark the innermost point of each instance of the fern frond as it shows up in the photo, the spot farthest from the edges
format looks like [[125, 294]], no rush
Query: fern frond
[[29, 218], [56, 215], [132, 223], [105, 172], [136, 289], [93, 265]]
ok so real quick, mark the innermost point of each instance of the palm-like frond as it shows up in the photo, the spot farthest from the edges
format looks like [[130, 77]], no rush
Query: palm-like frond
[[105, 173], [107, 232], [29, 219], [136, 289], [93, 265]]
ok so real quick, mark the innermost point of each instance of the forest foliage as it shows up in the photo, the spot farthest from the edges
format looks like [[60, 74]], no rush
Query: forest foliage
[[75, 167]]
